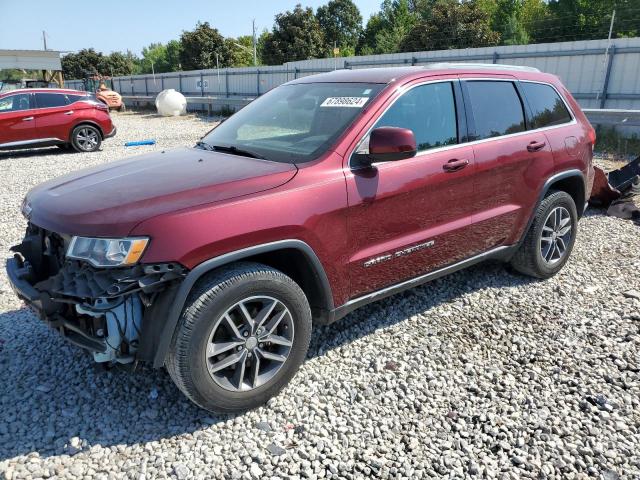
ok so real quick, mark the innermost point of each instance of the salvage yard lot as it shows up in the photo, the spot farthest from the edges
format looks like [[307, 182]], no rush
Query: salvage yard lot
[[482, 373]]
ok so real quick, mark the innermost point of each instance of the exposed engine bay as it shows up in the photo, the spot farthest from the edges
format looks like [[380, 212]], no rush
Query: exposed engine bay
[[99, 309]]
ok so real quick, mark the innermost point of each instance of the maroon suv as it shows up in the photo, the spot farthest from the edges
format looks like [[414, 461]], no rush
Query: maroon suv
[[325, 194]]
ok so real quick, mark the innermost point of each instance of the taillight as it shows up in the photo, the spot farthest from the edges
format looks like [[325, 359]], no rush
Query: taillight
[[101, 106], [592, 137]]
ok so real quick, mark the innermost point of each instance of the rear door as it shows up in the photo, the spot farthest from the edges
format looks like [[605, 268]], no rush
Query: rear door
[[54, 116], [511, 161], [16, 119], [412, 216]]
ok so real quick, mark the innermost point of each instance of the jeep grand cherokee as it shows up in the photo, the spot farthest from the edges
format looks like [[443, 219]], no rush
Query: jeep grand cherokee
[[325, 194]]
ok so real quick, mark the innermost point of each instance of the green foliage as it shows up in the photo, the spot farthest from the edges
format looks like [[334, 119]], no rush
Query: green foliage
[[341, 23], [386, 33], [200, 46], [14, 75], [451, 25], [295, 36], [241, 49], [160, 58]]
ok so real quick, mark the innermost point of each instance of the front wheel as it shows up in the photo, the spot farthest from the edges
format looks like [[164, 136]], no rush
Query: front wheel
[[86, 138], [549, 241], [243, 335]]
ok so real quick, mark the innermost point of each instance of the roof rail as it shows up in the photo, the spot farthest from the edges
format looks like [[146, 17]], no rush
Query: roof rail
[[494, 66]]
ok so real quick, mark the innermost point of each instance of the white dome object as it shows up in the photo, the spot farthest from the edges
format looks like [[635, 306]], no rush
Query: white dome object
[[171, 103]]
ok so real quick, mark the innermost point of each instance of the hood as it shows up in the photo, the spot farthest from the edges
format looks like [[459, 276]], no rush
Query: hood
[[111, 199]]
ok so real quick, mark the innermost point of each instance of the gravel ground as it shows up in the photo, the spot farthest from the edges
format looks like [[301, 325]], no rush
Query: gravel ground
[[481, 374]]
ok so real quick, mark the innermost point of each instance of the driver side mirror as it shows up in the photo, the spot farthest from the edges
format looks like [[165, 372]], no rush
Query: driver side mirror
[[388, 144]]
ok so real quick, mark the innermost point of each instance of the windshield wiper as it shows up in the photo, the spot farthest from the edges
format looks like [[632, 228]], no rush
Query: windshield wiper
[[236, 151], [204, 146]]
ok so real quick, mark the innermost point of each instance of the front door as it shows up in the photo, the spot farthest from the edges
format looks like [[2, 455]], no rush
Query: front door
[[411, 216], [17, 123]]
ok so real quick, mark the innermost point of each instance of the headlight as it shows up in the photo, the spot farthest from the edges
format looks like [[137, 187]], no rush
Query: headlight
[[107, 252]]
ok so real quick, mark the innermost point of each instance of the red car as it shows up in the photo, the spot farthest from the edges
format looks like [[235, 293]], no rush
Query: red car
[[44, 117], [325, 194]]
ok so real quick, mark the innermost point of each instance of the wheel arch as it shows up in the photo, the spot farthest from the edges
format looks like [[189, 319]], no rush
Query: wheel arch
[[571, 182], [86, 122], [294, 258]]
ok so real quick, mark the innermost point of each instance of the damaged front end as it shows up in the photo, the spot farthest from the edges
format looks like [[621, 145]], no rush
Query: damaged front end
[[107, 311]]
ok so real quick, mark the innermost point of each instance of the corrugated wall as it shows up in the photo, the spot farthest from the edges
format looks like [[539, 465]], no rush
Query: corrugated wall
[[585, 68]]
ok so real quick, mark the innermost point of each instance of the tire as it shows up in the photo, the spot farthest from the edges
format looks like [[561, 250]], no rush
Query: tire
[[86, 138], [541, 254], [205, 320], [122, 107]]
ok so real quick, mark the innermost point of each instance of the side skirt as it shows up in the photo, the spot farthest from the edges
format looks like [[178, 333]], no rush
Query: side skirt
[[501, 253]]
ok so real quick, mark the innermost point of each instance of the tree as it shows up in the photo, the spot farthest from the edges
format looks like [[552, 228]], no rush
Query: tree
[[295, 36], [118, 64], [341, 23], [155, 58], [386, 30], [367, 43], [86, 61], [452, 25], [587, 19], [200, 46], [173, 55], [241, 49]]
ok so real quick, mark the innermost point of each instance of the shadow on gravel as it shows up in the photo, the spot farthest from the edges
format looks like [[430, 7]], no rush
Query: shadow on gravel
[[32, 152], [52, 391]]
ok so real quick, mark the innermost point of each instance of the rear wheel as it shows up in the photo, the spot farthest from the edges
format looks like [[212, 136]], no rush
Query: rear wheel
[[86, 138], [242, 336], [550, 239]]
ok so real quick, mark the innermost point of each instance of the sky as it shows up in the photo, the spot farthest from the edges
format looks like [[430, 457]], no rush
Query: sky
[[112, 25]]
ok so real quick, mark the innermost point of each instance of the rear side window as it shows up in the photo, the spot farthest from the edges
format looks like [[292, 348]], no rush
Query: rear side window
[[77, 98], [429, 110], [48, 100], [547, 108], [497, 109]]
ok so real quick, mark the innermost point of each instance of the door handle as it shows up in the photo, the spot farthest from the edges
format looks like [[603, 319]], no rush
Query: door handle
[[27, 119], [455, 165], [70, 112], [535, 146]]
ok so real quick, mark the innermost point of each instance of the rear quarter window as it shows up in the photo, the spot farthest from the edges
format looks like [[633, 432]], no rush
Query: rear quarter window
[[547, 108], [497, 108], [77, 98]]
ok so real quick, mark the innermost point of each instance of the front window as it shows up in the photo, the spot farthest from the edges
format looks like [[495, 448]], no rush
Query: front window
[[293, 123], [14, 103]]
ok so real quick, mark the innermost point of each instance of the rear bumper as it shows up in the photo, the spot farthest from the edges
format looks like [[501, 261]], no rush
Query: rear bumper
[[112, 133]]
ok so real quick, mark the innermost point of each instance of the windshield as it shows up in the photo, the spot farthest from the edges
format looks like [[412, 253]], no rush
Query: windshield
[[293, 123]]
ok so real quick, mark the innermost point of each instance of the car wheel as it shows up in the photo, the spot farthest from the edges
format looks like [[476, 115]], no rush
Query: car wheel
[[86, 138], [122, 107], [549, 241], [242, 336]]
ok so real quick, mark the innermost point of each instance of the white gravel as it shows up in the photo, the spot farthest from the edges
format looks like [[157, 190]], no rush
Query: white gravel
[[482, 374]]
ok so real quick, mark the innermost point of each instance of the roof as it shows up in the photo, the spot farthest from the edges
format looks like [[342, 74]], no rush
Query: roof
[[45, 90], [30, 59], [387, 75]]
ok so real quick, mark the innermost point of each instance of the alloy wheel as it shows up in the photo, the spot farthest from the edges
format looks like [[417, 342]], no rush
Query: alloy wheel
[[556, 235], [249, 343], [87, 139]]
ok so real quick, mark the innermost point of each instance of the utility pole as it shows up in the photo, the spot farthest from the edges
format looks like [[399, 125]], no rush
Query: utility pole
[[255, 45], [44, 39]]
